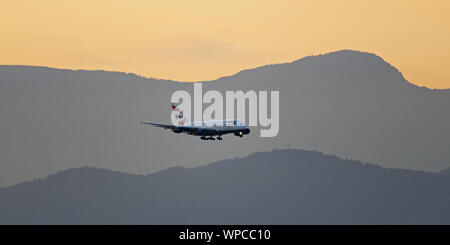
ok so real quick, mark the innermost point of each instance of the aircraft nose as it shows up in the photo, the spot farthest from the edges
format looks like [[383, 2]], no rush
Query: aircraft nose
[[247, 131]]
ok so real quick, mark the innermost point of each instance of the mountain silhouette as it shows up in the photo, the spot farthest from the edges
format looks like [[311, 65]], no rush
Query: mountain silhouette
[[348, 103], [277, 187]]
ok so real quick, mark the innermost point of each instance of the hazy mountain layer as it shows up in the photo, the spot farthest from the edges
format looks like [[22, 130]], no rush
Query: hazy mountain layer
[[350, 104], [278, 187]]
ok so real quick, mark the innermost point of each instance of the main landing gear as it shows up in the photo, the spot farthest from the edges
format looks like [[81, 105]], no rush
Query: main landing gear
[[207, 138], [210, 138]]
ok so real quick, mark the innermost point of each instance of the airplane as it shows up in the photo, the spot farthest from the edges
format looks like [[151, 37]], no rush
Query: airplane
[[205, 129]]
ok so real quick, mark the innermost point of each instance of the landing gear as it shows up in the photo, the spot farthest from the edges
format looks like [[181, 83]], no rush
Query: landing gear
[[219, 138], [207, 138]]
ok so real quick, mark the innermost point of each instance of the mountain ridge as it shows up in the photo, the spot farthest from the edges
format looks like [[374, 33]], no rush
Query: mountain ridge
[[80, 171], [300, 60]]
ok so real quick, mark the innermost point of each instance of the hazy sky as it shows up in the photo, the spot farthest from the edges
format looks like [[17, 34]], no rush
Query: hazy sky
[[204, 39]]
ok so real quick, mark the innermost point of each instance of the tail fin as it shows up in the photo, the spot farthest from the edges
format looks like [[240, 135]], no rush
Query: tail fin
[[175, 108]]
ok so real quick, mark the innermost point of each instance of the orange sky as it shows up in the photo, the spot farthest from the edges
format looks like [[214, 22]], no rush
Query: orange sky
[[205, 39]]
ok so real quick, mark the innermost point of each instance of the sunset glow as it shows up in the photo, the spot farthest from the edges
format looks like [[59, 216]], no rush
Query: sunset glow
[[204, 40]]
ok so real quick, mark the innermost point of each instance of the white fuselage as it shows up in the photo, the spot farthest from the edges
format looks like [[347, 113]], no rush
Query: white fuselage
[[214, 127]]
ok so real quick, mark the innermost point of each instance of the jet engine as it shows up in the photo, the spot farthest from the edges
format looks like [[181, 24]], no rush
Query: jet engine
[[177, 130]]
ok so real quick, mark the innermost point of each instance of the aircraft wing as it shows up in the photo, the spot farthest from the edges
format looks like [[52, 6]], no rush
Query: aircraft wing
[[188, 130], [165, 126], [180, 129]]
